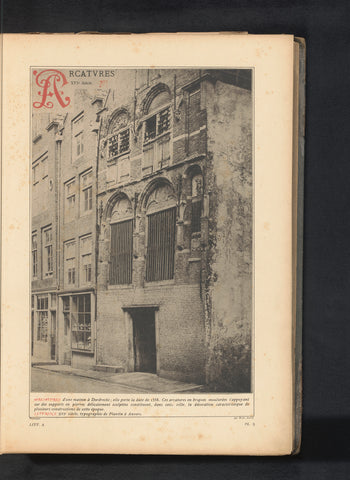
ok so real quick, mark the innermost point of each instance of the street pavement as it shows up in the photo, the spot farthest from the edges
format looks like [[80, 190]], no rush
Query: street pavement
[[65, 379], [55, 382]]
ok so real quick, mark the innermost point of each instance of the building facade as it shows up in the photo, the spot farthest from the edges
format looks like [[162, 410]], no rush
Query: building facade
[[64, 234], [44, 239], [152, 218]]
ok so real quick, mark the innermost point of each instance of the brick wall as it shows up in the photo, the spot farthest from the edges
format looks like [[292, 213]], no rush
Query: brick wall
[[181, 345]]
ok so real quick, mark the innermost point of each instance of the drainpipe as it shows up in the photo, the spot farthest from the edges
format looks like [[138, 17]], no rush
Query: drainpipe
[[97, 229], [57, 186]]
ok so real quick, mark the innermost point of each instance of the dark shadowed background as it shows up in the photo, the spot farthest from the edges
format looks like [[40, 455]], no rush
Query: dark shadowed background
[[326, 333]]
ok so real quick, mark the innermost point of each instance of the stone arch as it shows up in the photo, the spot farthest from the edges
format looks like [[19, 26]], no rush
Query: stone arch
[[193, 170], [122, 210], [118, 208], [194, 181], [119, 119], [158, 195], [159, 95]]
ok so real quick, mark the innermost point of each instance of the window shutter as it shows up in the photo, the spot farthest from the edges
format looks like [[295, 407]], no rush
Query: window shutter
[[121, 253], [161, 245], [196, 216]]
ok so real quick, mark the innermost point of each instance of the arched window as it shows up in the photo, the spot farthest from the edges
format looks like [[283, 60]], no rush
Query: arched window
[[121, 243], [161, 226], [157, 124], [118, 135]]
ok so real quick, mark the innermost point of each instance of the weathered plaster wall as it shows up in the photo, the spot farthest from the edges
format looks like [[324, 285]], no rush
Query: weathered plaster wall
[[229, 283]]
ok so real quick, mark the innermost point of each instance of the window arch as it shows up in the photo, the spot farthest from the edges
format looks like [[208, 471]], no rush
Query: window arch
[[158, 96], [118, 134], [160, 197], [161, 228], [122, 210], [158, 101], [121, 252]]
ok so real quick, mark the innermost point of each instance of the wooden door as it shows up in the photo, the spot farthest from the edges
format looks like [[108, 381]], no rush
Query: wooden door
[[145, 341]]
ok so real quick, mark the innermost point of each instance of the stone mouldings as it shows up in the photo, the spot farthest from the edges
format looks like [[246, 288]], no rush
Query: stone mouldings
[[161, 197], [122, 210]]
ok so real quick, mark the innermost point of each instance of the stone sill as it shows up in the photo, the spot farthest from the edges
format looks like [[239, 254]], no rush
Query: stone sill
[[84, 352], [160, 283], [120, 287]]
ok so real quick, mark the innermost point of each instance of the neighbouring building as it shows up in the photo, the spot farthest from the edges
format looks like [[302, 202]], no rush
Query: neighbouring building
[[64, 156], [44, 239], [151, 218], [77, 223]]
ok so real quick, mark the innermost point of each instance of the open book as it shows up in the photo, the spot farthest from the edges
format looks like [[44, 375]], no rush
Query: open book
[[151, 243]]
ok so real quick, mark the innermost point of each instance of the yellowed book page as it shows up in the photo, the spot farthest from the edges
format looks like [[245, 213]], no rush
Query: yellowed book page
[[186, 346]]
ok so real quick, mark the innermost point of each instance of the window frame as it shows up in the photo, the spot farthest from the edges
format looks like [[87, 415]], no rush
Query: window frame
[[35, 173], [42, 309], [47, 247], [69, 211], [78, 134], [77, 326], [44, 167], [70, 272], [82, 277], [118, 134], [86, 193], [159, 139], [156, 114], [35, 255]]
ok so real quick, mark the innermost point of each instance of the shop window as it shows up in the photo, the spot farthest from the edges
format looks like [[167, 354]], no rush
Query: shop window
[[47, 252], [81, 322], [66, 315], [35, 255], [43, 313]]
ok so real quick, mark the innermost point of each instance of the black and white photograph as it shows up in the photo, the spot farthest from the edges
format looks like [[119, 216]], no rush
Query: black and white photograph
[[142, 230]]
